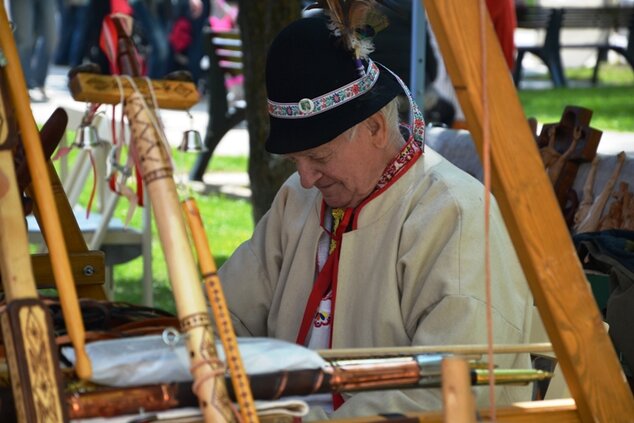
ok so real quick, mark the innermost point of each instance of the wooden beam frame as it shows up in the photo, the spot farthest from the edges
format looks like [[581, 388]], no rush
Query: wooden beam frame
[[530, 210], [95, 88]]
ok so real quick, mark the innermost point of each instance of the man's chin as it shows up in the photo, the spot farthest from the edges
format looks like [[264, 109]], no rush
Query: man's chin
[[337, 203], [334, 202]]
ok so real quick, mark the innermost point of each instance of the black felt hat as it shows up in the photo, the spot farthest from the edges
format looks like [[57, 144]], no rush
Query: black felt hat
[[306, 62]]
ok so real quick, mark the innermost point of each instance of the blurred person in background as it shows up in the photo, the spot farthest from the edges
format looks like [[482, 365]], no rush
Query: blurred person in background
[[35, 35]]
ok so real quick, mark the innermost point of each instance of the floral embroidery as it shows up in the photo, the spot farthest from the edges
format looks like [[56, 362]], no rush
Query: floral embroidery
[[408, 152], [416, 119], [322, 319], [323, 316], [327, 101]]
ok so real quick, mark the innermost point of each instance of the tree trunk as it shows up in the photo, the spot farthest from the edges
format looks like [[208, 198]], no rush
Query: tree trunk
[[259, 22]]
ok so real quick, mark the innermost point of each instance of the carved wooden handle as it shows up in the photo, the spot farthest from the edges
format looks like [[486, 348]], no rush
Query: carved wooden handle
[[26, 326]]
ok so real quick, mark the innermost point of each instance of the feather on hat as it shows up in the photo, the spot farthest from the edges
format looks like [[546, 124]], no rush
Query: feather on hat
[[354, 22]]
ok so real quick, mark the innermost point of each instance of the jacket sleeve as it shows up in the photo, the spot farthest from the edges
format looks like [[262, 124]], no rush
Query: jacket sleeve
[[250, 275]]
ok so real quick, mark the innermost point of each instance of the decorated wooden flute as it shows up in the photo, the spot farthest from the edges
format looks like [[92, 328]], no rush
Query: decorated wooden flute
[[154, 164], [216, 298]]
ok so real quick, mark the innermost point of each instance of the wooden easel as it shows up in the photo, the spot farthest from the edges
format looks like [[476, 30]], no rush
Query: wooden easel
[[538, 231], [87, 267]]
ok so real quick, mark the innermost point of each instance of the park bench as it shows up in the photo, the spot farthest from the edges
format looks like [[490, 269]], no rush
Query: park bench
[[224, 49], [554, 20]]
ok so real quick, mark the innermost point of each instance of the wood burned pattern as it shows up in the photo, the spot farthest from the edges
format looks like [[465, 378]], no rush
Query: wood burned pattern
[[170, 94], [40, 364], [152, 156], [193, 321]]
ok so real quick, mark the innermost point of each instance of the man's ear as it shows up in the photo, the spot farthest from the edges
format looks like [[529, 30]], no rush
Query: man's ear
[[377, 128]]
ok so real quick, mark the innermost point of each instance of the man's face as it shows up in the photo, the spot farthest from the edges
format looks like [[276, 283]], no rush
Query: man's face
[[346, 169]]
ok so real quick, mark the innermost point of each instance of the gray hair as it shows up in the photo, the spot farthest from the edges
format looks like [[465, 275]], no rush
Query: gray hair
[[390, 113]]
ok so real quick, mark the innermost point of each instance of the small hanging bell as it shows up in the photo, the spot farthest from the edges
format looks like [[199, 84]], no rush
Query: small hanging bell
[[192, 142], [87, 137]]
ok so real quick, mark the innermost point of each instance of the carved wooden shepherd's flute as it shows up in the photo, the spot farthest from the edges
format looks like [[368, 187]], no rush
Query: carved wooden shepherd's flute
[[43, 193], [227, 336], [153, 161]]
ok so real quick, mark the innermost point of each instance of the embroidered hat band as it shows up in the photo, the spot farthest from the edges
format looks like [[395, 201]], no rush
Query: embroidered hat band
[[308, 107], [308, 67]]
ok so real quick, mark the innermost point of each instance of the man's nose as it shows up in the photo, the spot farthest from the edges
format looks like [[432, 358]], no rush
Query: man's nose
[[308, 175]]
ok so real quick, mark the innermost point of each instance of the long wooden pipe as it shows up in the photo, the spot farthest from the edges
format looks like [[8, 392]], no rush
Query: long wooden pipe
[[457, 349], [51, 227], [154, 165], [216, 297]]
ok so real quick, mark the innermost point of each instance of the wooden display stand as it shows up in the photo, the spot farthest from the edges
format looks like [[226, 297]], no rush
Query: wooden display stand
[[531, 212]]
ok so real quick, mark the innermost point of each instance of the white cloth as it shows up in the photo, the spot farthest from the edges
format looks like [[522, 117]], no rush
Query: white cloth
[[148, 360]]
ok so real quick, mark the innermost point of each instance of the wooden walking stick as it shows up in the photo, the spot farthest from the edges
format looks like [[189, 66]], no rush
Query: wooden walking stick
[[216, 297], [26, 324], [154, 164], [51, 228]]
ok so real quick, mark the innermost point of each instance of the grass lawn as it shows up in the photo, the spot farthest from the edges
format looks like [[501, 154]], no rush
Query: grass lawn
[[612, 101], [228, 221]]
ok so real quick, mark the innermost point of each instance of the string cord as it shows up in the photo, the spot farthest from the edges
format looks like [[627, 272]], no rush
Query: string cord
[[154, 119], [486, 162], [216, 370], [119, 184]]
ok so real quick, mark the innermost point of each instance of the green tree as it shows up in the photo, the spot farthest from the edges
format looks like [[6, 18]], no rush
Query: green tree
[[259, 22]]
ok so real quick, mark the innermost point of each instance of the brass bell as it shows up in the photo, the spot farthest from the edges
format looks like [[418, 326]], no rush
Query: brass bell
[[87, 137], [192, 142]]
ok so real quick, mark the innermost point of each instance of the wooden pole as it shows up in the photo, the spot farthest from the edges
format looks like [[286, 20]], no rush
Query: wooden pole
[[51, 227], [532, 215], [458, 402], [154, 164], [341, 353], [216, 297]]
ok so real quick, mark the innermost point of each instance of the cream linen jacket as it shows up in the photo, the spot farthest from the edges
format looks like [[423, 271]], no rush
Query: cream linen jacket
[[411, 273]]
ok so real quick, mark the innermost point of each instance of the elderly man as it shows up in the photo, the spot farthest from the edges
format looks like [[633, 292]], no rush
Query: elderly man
[[374, 241]]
